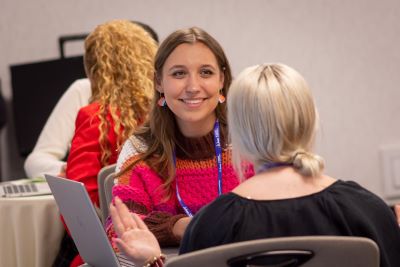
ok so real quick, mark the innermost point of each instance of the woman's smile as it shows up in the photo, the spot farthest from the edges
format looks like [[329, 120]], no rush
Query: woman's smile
[[193, 102]]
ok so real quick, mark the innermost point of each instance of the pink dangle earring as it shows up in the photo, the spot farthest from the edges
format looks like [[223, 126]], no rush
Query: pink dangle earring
[[161, 102], [221, 97]]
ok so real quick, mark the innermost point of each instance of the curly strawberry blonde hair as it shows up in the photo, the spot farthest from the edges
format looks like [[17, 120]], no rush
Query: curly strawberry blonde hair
[[118, 61]]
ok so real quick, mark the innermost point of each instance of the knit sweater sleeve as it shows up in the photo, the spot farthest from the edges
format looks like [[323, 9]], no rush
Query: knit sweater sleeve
[[140, 189]]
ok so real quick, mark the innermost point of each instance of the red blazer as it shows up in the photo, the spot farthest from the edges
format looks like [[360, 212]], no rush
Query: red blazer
[[84, 162]]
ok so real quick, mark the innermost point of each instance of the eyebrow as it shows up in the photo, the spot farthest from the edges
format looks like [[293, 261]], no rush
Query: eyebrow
[[183, 66]]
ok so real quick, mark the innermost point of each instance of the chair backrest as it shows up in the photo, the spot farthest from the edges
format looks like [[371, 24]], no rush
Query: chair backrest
[[102, 176], [108, 185], [304, 251]]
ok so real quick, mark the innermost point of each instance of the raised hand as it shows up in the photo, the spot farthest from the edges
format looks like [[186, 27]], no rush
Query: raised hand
[[134, 238]]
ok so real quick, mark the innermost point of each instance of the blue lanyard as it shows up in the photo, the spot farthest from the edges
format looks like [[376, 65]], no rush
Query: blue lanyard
[[218, 154], [271, 165]]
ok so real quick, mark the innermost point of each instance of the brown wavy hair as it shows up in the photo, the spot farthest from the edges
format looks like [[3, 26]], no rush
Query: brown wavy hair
[[119, 58], [159, 132]]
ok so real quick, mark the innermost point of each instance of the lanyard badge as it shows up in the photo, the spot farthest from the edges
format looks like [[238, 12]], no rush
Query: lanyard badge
[[218, 154]]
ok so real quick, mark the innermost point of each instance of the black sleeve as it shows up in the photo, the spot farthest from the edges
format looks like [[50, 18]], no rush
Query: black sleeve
[[213, 225], [373, 218]]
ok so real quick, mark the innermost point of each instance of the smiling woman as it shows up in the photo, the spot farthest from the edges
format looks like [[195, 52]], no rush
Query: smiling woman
[[191, 81], [180, 160]]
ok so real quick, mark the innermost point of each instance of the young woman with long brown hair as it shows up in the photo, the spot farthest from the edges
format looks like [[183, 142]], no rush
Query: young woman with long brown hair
[[180, 160]]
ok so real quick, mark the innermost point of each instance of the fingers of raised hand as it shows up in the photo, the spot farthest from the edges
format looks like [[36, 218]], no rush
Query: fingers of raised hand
[[118, 225], [139, 222], [124, 214]]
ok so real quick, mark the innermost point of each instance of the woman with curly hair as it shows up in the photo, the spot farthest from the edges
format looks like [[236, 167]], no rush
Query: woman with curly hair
[[52, 147], [119, 64]]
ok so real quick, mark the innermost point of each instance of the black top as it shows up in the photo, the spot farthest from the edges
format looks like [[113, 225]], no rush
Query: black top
[[344, 208]]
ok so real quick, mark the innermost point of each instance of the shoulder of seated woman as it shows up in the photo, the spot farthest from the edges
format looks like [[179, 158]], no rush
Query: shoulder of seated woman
[[136, 144], [282, 186], [132, 147]]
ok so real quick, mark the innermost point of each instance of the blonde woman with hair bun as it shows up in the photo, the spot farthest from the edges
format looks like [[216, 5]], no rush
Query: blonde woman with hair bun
[[272, 122], [274, 119]]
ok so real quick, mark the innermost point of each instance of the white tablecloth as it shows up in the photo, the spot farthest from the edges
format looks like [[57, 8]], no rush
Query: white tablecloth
[[30, 231]]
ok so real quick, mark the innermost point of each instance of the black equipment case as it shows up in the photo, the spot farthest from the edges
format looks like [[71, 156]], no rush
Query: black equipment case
[[37, 87]]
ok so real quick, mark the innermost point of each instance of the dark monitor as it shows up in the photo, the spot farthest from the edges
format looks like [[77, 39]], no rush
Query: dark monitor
[[36, 88]]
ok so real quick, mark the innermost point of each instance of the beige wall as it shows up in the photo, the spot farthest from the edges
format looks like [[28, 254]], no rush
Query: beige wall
[[346, 49]]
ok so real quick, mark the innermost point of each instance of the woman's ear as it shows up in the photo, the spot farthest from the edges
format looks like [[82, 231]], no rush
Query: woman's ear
[[157, 83], [222, 78], [159, 89]]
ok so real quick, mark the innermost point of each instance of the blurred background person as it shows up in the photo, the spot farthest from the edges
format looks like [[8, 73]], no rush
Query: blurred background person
[[118, 61], [52, 147]]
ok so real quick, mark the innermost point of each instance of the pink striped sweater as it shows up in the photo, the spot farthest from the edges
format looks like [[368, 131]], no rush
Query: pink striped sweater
[[141, 189]]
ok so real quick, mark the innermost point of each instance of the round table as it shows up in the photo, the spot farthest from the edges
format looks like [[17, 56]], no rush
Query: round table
[[30, 231]]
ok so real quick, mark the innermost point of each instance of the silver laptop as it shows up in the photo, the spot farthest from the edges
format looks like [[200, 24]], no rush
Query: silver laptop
[[24, 188], [83, 223]]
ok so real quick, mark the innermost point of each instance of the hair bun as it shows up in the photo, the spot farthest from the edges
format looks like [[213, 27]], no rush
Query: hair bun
[[308, 164]]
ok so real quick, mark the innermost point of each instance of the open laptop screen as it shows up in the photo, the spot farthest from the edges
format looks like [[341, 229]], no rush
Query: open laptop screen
[[83, 223]]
